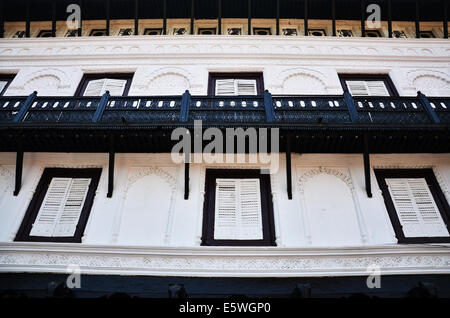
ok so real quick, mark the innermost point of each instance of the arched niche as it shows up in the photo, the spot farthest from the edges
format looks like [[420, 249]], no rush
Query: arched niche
[[332, 213], [147, 208]]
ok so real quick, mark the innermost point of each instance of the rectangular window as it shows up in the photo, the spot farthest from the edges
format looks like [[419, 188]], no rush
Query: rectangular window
[[237, 209], [5, 80], [368, 85], [98, 84], [418, 209], [60, 206], [235, 84]]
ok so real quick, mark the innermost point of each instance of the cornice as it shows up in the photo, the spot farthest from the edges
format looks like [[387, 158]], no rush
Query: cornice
[[166, 47]]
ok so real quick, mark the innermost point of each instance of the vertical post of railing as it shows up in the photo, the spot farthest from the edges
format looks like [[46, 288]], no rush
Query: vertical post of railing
[[389, 9], [80, 24], [428, 108], [136, 17], [278, 18], [192, 16], [108, 15], [363, 18], [185, 101], [351, 106], [305, 17], [2, 20], [268, 107], [445, 18], [219, 17], [101, 108], [25, 107], [417, 20], [53, 18], [27, 19], [333, 17], [249, 17], [165, 17]]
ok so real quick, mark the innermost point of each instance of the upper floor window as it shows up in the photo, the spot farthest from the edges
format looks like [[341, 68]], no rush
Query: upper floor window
[[235, 84], [418, 209], [45, 34], [60, 207], [5, 80], [98, 84], [237, 208], [368, 85]]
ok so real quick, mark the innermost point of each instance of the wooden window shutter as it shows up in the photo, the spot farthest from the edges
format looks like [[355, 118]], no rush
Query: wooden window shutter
[[367, 88], [236, 87], [61, 208], [238, 210], [98, 87], [225, 87], [246, 87], [415, 207]]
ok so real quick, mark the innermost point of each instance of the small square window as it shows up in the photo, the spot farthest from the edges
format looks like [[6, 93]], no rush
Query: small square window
[[180, 31], [317, 32], [60, 207], [98, 32], [345, 33], [207, 31], [153, 31], [418, 209], [426, 34], [45, 34], [289, 31], [262, 31], [234, 31], [19, 34], [373, 34], [399, 34], [126, 31], [238, 209], [71, 33]]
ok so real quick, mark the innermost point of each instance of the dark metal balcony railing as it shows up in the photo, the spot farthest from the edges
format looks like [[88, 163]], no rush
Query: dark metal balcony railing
[[343, 110]]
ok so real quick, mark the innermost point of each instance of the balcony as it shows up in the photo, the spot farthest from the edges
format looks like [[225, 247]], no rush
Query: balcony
[[144, 123]]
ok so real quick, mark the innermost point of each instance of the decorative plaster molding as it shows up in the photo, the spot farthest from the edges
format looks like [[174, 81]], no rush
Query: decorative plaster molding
[[118, 48], [323, 170], [415, 74], [223, 262]]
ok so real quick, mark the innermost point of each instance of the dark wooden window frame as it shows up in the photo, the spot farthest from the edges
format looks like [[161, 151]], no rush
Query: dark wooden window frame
[[33, 209], [8, 78], [438, 196], [210, 200], [369, 77], [89, 77], [244, 75], [44, 31], [146, 30], [214, 29], [98, 30]]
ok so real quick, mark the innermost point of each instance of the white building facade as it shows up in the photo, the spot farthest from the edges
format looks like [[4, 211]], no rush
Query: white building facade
[[354, 189]]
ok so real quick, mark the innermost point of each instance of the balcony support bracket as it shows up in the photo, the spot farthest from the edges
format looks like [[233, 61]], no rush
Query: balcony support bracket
[[366, 158], [186, 175], [19, 169], [288, 167], [111, 164]]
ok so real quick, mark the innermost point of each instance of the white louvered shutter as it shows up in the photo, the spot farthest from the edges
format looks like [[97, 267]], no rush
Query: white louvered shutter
[[115, 86], [235, 87], [225, 87], [367, 88], [61, 208], [98, 87], [3, 85], [95, 87], [415, 207], [246, 87], [238, 210]]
